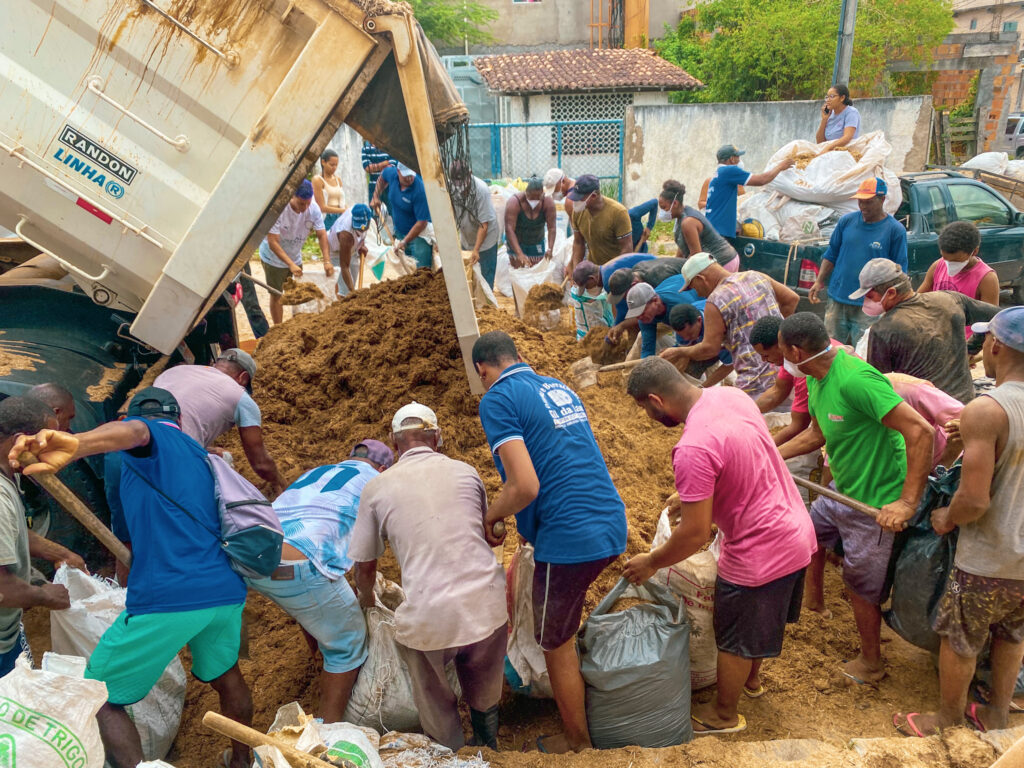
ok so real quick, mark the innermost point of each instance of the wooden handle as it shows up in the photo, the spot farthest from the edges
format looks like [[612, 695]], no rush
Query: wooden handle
[[76, 507], [620, 366], [362, 262], [859, 506], [260, 283], [238, 732]]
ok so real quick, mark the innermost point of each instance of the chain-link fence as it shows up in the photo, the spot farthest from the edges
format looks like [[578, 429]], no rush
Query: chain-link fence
[[511, 150]]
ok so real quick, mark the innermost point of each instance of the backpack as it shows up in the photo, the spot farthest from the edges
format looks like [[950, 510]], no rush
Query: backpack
[[250, 531]]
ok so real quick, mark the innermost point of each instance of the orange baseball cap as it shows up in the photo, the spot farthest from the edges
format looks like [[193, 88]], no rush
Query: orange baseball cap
[[871, 188]]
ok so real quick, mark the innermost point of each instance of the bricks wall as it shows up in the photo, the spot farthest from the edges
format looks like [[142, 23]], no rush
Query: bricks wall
[[1000, 101], [952, 87]]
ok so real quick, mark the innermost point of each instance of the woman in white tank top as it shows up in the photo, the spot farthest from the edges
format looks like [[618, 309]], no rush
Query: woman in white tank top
[[327, 189]]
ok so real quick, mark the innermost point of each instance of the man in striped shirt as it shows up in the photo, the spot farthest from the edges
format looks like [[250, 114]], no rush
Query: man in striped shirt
[[374, 161]]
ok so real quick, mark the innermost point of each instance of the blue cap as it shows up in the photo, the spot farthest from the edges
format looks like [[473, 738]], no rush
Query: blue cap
[[1007, 326], [361, 215], [305, 190]]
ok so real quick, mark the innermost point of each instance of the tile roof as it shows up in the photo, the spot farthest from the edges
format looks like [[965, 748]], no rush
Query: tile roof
[[583, 70]]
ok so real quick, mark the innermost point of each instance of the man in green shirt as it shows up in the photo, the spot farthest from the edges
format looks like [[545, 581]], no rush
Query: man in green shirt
[[880, 453]]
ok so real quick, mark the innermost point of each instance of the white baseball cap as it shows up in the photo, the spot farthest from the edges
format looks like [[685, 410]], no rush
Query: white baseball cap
[[414, 410], [551, 178], [405, 170], [694, 265]]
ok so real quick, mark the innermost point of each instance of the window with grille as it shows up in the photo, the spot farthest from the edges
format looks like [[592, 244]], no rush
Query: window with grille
[[588, 139], [1009, 26]]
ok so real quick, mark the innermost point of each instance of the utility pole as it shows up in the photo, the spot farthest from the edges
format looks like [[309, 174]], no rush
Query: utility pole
[[844, 43]]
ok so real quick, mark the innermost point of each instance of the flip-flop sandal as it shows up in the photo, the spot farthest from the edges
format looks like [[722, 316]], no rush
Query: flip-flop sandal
[[740, 726], [982, 694], [908, 722], [757, 693], [972, 717]]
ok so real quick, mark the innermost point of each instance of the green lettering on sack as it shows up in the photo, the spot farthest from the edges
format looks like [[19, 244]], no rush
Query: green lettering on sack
[[8, 755], [43, 727], [347, 754]]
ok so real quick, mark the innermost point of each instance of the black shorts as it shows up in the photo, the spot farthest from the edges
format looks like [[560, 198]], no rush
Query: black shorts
[[750, 622], [558, 594]]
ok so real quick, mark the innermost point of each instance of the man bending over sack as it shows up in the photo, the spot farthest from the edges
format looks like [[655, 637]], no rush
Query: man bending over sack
[[317, 513], [431, 509], [182, 591], [558, 487], [729, 472]]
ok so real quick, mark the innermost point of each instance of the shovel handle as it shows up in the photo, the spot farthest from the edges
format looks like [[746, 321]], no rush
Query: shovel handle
[[253, 738], [620, 366], [822, 490], [74, 505], [260, 283]]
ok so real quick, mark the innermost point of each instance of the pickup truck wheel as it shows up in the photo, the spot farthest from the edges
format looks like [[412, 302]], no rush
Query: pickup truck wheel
[[1020, 152], [1017, 293]]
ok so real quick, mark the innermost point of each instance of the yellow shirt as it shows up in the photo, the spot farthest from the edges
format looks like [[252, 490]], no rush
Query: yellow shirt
[[602, 230]]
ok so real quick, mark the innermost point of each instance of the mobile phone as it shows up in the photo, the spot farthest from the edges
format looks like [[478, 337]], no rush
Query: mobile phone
[[826, 111]]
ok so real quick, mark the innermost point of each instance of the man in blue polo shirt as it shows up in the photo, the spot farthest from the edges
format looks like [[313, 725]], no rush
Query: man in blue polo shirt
[[181, 589], [859, 237], [558, 487], [407, 202], [651, 306], [687, 320], [722, 188]]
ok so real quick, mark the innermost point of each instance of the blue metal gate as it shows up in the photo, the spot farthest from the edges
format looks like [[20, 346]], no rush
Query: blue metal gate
[[520, 150]]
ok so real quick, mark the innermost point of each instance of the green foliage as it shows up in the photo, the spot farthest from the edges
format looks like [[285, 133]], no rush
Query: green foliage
[[449, 22], [966, 107], [767, 50]]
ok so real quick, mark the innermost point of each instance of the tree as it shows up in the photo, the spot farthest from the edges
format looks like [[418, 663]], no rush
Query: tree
[[754, 50], [449, 22]]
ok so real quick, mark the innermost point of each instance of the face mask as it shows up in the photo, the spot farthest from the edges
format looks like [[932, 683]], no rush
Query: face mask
[[533, 203], [595, 292], [955, 267], [558, 196], [579, 205], [873, 308], [664, 215], [793, 369]]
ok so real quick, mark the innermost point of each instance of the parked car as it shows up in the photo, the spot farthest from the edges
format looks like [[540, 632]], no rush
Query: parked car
[[931, 200], [1012, 141]]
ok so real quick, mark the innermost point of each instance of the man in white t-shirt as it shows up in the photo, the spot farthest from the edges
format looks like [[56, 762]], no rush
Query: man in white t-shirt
[[281, 250], [430, 509], [348, 238]]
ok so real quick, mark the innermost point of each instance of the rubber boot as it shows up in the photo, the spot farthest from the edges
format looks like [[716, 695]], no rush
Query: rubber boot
[[485, 727]]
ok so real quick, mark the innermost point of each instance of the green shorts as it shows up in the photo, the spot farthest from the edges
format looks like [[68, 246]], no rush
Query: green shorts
[[134, 652], [276, 275]]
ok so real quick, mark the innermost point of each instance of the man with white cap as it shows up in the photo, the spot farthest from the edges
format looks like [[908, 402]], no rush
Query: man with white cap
[[985, 592], [347, 238], [407, 204], [919, 333], [317, 513], [281, 249], [858, 237], [734, 303], [217, 397], [557, 185], [431, 510]]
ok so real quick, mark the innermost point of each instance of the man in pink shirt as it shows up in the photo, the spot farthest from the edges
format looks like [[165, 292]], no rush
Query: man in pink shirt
[[729, 472]]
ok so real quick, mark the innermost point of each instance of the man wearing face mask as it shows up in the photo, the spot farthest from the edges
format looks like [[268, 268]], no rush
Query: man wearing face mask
[[858, 238], [527, 215], [478, 222], [919, 333], [728, 472], [601, 226], [590, 302], [880, 453], [722, 188]]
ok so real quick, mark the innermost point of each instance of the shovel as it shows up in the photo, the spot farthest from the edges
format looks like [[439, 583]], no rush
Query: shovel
[[584, 372], [253, 738], [822, 490]]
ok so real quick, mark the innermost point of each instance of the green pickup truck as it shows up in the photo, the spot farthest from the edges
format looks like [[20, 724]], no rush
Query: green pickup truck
[[931, 200]]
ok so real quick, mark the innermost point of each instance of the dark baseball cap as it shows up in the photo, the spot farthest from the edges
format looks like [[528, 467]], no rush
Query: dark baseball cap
[[154, 401], [728, 150], [375, 451], [586, 185]]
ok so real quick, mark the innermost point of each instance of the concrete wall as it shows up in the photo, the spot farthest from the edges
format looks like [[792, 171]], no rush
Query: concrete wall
[[349, 146], [678, 141]]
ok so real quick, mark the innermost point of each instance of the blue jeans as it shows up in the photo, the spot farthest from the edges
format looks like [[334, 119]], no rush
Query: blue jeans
[[327, 609], [20, 646], [419, 250], [489, 263], [846, 322]]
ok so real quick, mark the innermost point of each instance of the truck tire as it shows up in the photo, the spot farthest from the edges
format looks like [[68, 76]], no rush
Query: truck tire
[[1017, 293], [1020, 152]]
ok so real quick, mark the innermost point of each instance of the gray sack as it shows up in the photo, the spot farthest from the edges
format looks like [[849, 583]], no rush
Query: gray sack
[[636, 664]]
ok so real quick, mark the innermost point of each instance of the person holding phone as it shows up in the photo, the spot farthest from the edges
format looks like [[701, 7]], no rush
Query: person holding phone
[[840, 120]]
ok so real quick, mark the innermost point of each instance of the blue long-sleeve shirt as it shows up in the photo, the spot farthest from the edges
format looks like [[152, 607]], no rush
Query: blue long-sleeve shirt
[[637, 214], [853, 244]]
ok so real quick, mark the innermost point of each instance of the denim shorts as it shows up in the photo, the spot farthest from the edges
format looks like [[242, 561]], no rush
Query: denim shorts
[[328, 610]]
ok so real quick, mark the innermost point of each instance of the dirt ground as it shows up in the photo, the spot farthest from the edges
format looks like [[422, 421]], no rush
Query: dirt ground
[[330, 380]]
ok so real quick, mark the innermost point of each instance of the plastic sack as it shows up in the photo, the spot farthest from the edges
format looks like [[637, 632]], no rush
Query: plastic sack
[[481, 292], [636, 664], [993, 162], [523, 279], [1015, 169], [48, 720], [503, 273], [920, 565], [757, 209], [382, 696], [95, 605], [693, 579], [525, 668], [327, 288]]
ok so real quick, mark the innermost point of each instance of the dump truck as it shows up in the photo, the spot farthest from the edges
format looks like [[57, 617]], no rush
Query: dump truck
[[147, 146]]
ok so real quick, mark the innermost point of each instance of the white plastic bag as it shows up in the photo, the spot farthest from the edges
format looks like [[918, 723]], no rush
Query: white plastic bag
[[993, 162], [523, 279], [1015, 169], [481, 292], [48, 720], [327, 288], [693, 579], [503, 273], [524, 652], [95, 605]]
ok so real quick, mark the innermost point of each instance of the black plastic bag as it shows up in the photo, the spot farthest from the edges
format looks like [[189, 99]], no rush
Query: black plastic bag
[[920, 565]]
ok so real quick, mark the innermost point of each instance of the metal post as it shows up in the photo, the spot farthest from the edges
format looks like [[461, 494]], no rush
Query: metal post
[[844, 42], [622, 157], [558, 145]]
